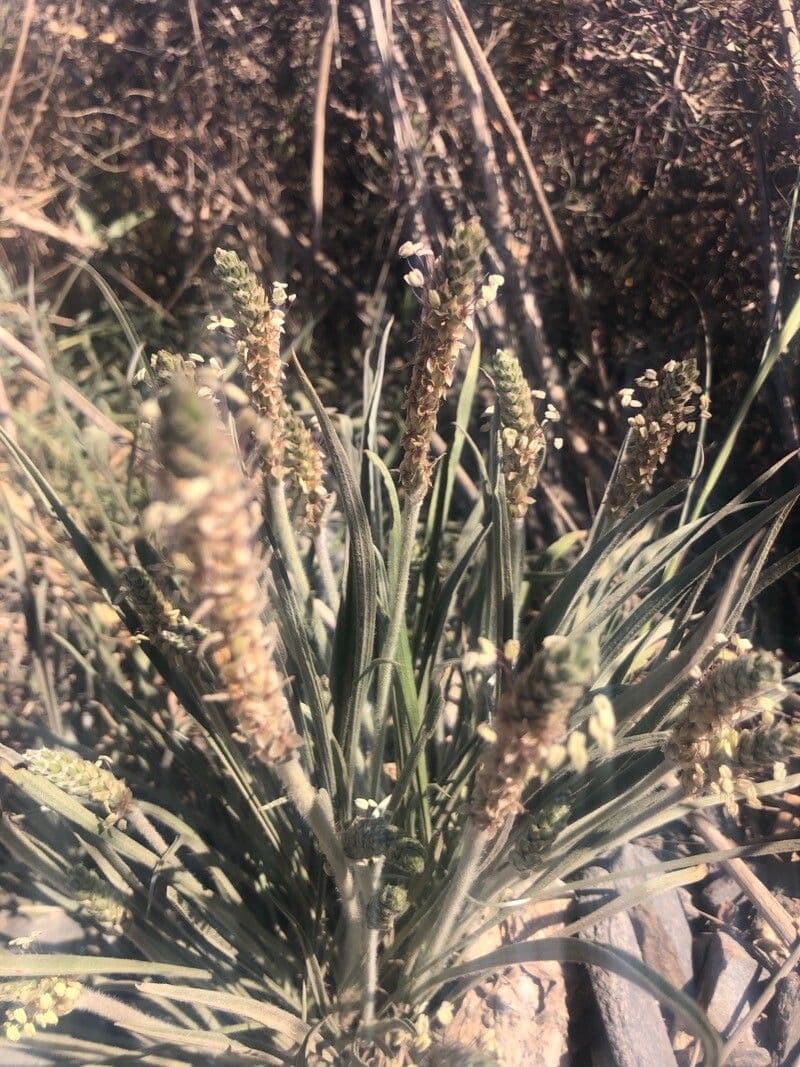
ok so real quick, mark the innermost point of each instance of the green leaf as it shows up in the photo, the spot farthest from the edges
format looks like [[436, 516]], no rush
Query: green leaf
[[362, 583], [60, 965]]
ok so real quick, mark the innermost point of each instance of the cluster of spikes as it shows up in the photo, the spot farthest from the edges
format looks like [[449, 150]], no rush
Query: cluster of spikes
[[521, 433], [369, 838], [710, 744], [79, 777], [449, 291]]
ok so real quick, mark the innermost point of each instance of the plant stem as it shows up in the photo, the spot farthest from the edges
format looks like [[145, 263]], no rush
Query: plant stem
[[373, 941], [468, 867], [315, 809], [408, 532], [281, 525]]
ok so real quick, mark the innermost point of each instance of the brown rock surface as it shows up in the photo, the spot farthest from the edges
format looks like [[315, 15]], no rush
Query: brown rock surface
[[520, 1015]]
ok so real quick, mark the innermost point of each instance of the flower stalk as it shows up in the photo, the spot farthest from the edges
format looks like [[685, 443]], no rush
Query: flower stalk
[[212, 518]]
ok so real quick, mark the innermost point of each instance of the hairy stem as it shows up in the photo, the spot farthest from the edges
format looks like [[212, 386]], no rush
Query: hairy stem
[[385, 671], [468, 867], [315, 809], [373, 941], [281, 525]]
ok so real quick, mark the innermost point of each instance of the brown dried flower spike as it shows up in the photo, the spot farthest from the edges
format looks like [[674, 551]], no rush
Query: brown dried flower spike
[[670, 410], [449, 296], [214, 521], [530, 724], [706, 746], [259, 346], [288, 448]]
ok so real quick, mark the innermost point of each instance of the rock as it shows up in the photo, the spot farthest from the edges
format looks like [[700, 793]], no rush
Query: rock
[[729, 976], [662, 929], [785, 1019], [47, 925], [519, 1016], [722, 896], [602, 1056], [749, 1056], [634, 1025]]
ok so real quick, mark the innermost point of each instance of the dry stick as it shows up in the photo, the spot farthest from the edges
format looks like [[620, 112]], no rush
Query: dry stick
[[318, 143], [22, 42], [578, 305], [500, 222], [792, 43], [35, 117], [765, 903], [410, 160], [35, 364]]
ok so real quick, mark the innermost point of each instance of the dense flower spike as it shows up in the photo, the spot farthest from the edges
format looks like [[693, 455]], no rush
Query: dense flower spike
[[449, 296], [37, 1005], [521, 433], [389, 902], [366, 838], [161, 620], [305, 468], [288, 448], [80, 778], [214, 521], [707, 748], [261, 323], [97, 898], [670, 410], [531, 725]]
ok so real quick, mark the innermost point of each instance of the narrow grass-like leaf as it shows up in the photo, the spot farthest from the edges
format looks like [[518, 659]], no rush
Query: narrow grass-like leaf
[[362, 585]]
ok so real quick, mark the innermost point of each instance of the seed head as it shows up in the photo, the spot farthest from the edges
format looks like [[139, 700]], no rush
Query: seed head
[[80, 778], [97, 898], [160, 619], [707, 748], [521, 433], [386, 905], [669, 410], [367, 838], [213, 519], [448, 300], [531, 725], [38, 1004], [261, 323], [305, 468]]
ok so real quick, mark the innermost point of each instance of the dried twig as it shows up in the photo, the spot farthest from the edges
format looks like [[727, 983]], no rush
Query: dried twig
[[8, 92], [792, 44], [473, 48], [320, 109], [499, 223], [765, 902], [36, 365]]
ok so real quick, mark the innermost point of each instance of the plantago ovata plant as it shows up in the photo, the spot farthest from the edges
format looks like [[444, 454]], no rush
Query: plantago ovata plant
[[322, 729]]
